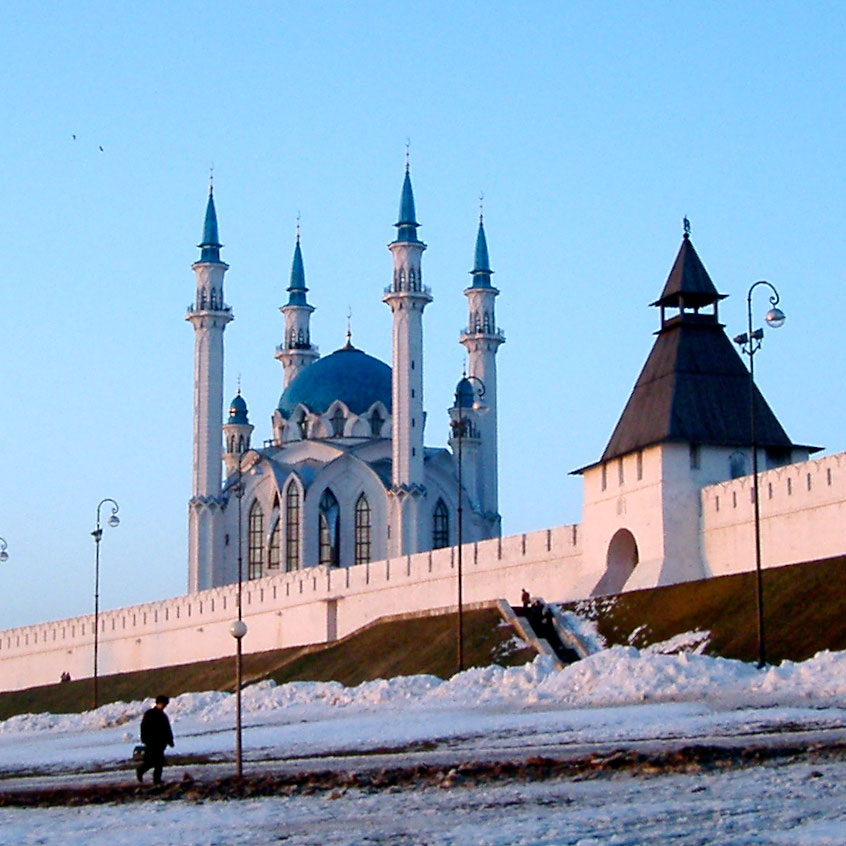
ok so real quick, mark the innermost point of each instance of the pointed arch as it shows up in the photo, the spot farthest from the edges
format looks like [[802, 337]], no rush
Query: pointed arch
[[440, 525], [376, 423], [362, 530], [338, 421], [274, 540], [292, 527], [255, 542], [329, 524]]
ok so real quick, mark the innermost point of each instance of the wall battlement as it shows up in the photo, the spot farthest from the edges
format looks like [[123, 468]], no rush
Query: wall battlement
[[289, 609], [803, 485]]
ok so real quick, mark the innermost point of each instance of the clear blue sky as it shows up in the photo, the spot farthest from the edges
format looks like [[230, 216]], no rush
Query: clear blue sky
[[591, 128]]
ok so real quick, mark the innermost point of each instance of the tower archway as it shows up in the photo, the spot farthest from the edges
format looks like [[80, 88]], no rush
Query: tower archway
[[621, 559]]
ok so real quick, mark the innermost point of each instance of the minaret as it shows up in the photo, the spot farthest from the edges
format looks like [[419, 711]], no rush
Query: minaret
[[407, 297], [236, 433], [208, 315], [296, 351], [482, 339]]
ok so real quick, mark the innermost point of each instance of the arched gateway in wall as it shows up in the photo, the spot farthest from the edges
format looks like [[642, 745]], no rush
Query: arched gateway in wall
[[620, 562]]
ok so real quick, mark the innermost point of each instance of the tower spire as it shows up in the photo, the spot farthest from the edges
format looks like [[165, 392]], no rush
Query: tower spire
[[407, 223], [209, 316], [482, 338], [407, 297], [210, 245], [296, 351]]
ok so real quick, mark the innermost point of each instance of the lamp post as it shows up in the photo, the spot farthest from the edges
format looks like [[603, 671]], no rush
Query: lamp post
[[749, 343], [238, 629], [97, 534], [464, 391], [4, 556]]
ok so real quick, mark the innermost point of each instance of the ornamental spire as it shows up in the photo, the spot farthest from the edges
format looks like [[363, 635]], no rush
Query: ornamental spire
[[407, 223], [481, 271], [297, 289], [210, 246]]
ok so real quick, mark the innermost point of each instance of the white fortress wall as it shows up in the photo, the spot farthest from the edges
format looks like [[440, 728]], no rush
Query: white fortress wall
[[292, 609], [802, 510]]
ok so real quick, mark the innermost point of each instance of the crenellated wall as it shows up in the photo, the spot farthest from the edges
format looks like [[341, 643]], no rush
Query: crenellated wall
[[803, 518], [291, 609], [802, 511]]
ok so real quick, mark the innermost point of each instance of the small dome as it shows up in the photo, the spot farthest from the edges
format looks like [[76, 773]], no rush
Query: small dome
[[238, 410], [349, 375], [465, 396]]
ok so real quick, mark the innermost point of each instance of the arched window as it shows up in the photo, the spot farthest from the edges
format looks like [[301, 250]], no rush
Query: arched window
[[440, 525], [488, 325], [376, 423], [304, 426], [292, 527], [274, 544], [338, 423], [255, 545], [329, 516], [362, 530]]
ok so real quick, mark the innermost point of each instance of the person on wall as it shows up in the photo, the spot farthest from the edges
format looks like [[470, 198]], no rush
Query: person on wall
[[156, 735]]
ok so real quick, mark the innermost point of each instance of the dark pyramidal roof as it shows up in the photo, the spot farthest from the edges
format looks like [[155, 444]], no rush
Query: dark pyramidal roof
[[694, 387]]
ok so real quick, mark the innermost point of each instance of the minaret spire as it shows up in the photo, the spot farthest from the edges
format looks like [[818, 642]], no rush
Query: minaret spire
[[407, 297], [296, 351], [209, 315], [482, 338]]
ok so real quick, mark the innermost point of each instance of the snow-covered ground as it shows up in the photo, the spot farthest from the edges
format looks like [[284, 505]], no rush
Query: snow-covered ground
[[618, 698]]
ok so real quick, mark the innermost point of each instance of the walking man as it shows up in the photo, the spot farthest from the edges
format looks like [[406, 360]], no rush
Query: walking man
[[156, 734]]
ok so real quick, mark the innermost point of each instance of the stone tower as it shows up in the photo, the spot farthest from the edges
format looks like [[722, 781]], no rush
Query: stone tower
[[209, 315], [236, 434], [482, 338], [407, 297], [296, 351]]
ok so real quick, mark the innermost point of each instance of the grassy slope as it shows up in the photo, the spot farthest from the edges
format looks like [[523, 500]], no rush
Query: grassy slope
[[418, 645], [804, 612], [805, 609]]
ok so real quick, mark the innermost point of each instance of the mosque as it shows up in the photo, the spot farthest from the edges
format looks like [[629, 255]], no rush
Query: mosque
[[346, 478]]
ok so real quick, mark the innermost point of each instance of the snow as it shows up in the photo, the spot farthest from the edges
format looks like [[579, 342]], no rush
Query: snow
[[620, 696]]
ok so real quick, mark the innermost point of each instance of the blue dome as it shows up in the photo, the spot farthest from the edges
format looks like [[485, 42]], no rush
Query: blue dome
[[349, 375], [238, 410]]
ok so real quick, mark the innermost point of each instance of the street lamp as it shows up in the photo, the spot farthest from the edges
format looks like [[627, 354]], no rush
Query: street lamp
[[4, 556], [749, 343], [239, 628], [466, 396], [97, 534]]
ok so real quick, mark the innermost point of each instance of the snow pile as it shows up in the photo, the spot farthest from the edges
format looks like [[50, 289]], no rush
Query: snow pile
[[694, 642], [622, 675]]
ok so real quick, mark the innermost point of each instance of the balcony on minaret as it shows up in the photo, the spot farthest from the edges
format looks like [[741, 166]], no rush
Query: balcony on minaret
[[483, 330], [210, 302]]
